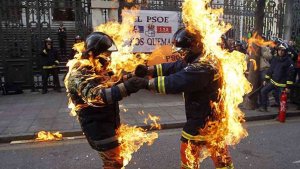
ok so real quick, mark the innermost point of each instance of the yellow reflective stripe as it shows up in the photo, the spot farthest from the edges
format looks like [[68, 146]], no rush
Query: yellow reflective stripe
[[278, 84], [49, 67], [266, 76], [227, 167], [289, 82], [185, 166], [191, 137], [159, 70], [161, 84]]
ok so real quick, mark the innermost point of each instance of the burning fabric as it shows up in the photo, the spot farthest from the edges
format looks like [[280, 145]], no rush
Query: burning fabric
[[46, 136], [95, 84]]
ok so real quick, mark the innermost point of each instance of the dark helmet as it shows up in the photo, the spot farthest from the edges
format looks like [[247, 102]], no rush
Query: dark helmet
[[182, 38], [282, 46], [48, 40], [99, 42], [238, 43], [78, 37]]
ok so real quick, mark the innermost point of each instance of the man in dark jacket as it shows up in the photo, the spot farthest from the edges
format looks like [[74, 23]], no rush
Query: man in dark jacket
[[77, 39], [95, 93], [62, 38], [200, 82], [49, 62], [278, 77]]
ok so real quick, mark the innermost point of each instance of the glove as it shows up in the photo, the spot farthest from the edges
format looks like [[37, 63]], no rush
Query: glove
[[134, 84], [141, 71]]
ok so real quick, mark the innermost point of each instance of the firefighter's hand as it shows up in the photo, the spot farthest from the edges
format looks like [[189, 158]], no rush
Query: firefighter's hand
[[264, 83], [134, 84], [44, 51], [141, 71], [127, 76], [287, 90]]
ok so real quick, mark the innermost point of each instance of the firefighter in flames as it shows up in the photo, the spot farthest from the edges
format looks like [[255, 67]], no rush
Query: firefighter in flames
[[200, 82], [96, 101]]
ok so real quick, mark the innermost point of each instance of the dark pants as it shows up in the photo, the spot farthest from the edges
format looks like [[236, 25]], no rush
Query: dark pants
[[266, 90], [45, 76], [111, 158], [298, 74], [62, 47], [262, 78]]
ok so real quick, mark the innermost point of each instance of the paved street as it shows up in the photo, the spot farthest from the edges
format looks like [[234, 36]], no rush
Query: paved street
[[270, 145], [25, 114]]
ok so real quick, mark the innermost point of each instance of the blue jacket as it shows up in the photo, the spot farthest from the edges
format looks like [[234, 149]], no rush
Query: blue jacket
[[199, 82], [281, 71]]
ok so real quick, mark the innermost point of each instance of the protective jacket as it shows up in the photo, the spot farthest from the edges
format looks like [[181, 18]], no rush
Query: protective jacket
[[199, 81], [49, 58], [96, 104], [281, 71]]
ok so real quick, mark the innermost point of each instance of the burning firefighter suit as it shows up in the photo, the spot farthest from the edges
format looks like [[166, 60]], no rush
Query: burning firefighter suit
[[200, 82], [96, 103]]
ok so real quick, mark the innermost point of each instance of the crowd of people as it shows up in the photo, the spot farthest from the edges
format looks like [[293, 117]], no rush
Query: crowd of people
[[279, 70]]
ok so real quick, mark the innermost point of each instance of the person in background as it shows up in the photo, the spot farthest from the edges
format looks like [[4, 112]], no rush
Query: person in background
[[62, 38], [278, 77], [49, 62], [77, 39]]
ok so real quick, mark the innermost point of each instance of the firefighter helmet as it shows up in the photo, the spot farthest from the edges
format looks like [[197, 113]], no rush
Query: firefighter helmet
[[182, 38], [238, 43], [99, 42], [47, 41], [282, 46]]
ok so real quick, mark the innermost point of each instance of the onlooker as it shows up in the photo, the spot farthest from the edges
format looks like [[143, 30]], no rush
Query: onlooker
[[280, 75], [62, 37], [49, 62], [78, 39], [238, 46], [265, 60]]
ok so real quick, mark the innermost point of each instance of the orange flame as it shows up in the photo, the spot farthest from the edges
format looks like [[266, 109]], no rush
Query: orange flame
[[154, 121], [131, 138], [257, 40], [45, 136], [200, 18]]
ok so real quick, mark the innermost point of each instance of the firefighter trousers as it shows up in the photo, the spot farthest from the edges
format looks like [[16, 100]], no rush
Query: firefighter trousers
[[191, 159], [111, 158]]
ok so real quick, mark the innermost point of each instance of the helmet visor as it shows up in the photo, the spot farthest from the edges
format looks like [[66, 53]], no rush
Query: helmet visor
[[113, 48]]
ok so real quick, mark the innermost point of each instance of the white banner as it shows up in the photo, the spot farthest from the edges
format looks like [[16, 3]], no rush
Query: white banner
[[155, 28]]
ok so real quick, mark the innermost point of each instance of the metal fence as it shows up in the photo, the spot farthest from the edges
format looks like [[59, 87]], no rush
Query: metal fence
[[24, 24]]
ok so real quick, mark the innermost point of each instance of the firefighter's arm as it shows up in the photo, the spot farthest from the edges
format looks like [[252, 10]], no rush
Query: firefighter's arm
[[94, 92], [291, 72], [183, 81], [163, 69]]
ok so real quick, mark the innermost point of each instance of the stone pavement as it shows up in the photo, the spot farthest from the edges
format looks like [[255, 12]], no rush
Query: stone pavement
[[25, 114]]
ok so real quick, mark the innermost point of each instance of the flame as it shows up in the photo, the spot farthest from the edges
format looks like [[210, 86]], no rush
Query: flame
[[125, 37], [45, 136], [226, 128], [257, 40], [154, 121], [131, 138]]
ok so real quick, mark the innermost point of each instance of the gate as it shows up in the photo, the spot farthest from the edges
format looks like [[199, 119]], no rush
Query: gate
[[296, 21], [24, 26]]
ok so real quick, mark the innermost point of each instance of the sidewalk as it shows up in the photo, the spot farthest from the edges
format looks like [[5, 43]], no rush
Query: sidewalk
[[25, 114]]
